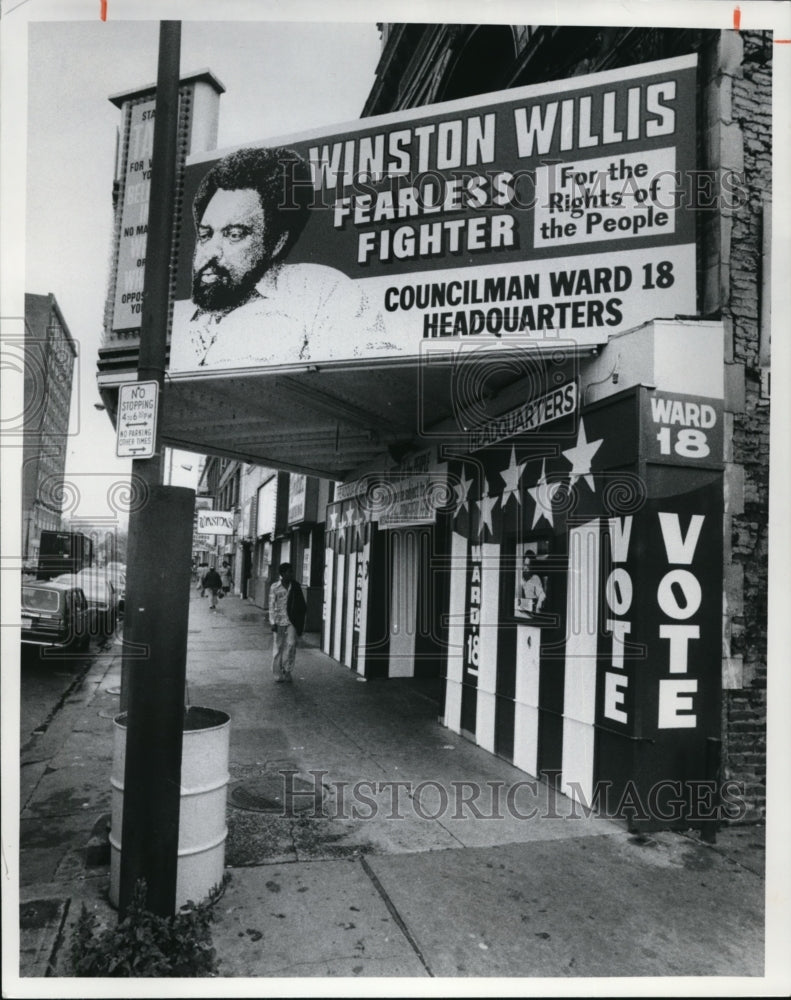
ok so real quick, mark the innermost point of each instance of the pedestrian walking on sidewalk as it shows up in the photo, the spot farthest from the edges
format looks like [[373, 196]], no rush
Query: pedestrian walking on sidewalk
[[212, 583], [287, 618], [227, 579]]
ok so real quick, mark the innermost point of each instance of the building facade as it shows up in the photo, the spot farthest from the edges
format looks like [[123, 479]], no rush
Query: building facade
[[551, 443], [49, 353], [219, 490], [277, 517], [647, 661]]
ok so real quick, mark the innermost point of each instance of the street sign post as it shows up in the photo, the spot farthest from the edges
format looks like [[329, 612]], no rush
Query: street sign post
[[137, 420], [160, 546]]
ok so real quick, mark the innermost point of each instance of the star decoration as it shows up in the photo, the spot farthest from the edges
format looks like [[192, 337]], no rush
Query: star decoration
[[511, 477], [333, 520], [486, 505], [581, 456], [462, 489], [348, 516], [542, 494]]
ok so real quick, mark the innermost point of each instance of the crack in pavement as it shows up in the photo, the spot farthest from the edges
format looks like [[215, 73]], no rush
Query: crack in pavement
[[395, 914]]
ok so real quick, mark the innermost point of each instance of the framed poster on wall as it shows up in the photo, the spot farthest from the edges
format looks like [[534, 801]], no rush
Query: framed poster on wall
[[532, 582]]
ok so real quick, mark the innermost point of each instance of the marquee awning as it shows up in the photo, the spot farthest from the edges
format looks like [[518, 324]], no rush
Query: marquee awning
[[330, 422]]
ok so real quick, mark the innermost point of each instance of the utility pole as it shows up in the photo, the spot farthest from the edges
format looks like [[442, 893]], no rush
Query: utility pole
[[160, 546]]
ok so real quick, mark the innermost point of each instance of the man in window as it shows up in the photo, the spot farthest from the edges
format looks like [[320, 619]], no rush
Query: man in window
[[531, 591]]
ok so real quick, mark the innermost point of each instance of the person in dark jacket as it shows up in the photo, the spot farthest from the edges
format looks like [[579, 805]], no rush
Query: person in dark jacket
[[287, 618], [212, 583]]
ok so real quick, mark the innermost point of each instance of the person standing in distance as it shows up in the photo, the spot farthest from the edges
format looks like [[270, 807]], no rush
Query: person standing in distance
[[227, 579], [287, 618], [212, 583]]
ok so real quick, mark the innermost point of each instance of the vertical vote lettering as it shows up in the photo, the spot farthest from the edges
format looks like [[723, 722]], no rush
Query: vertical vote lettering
[[619, 593], [679, 596]]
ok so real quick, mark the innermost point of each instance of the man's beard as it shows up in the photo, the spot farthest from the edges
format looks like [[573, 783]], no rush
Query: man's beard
[[225, 293]]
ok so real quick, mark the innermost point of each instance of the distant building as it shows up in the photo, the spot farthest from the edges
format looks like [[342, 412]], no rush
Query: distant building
[[49, 370], [524, 696], [218, 489], [278, 517]]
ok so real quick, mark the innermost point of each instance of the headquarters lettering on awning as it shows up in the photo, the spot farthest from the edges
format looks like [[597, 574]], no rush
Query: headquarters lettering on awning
[[560, 402]]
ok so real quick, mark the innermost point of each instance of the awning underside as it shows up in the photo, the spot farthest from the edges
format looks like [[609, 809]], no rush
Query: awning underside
[[331, 422]]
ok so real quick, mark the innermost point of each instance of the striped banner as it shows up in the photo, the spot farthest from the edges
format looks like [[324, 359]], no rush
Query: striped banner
[[579, 614], [618, 671]]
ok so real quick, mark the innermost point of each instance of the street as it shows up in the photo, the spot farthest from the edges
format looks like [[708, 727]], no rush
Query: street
[[46, 678]]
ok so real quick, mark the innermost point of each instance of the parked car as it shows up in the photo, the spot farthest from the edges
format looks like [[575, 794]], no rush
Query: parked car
[[54, 613], [101, 596], [117, 573]]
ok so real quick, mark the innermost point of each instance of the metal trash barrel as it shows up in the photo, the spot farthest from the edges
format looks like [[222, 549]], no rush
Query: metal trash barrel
[[202, 814]]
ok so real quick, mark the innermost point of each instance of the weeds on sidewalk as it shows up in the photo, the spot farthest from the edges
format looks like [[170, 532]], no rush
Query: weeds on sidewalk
[[145, 944]]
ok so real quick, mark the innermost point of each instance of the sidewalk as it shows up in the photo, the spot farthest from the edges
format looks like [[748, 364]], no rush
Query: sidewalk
[[400, 880]]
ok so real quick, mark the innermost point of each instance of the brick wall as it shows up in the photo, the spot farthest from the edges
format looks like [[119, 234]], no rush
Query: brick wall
[[744, 699]]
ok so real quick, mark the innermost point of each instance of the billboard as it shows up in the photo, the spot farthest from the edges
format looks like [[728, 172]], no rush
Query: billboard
[[128, 304], [557, 210]]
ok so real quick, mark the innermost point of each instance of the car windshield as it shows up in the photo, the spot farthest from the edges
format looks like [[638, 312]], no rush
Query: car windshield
[[40, 599]]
